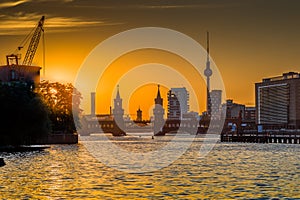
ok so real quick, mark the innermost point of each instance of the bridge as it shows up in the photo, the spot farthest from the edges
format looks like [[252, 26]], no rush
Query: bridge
[[106, 124]]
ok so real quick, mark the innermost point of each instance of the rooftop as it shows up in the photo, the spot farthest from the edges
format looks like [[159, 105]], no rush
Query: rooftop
[[284, 76]]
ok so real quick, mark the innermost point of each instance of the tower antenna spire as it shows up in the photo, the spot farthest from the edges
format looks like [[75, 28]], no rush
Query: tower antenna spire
[[208, 73], [207, 45]]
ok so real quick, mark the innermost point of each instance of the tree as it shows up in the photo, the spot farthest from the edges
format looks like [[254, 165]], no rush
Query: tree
[[62, 101], [23, 115]]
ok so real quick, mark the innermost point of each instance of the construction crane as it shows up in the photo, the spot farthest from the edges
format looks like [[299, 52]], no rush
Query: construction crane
[[33, 45], [34, 42]]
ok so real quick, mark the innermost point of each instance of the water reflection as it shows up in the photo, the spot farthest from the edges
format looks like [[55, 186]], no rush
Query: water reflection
[[228, 171]]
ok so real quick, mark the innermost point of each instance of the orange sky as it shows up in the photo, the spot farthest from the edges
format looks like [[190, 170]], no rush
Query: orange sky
[[144, 94], [250, 40]]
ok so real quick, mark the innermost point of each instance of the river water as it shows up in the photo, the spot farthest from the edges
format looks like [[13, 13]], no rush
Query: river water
[[229, 170]]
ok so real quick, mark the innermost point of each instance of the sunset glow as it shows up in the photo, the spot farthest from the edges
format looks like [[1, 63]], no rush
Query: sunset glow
[[242, 56], [149, 99]]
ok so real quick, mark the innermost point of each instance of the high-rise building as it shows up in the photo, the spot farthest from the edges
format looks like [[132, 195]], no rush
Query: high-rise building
[[178, 103], [278, 101], [216, 100]]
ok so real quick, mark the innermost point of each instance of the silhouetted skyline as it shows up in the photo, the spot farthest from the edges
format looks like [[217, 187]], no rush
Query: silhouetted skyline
[[249, 39]]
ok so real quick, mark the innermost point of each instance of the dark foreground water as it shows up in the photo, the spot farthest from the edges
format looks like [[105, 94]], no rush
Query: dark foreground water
[[230, 170]]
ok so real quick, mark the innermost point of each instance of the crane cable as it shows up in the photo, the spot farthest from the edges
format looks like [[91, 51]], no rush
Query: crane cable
[[25, 41], [44, 61]]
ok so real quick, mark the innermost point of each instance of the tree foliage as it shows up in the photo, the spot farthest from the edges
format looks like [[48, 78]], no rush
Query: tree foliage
[[23, 114], [28, 114], [62, 101]]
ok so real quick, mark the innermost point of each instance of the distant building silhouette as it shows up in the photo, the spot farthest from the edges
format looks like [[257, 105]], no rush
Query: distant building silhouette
[[233, 114], [216, 102], [233, 110], [250, 117], [178, 103], [250, 114], [158, 113], [93, 103], [14, 72], [118, 111], [278, 101], [139, 115]]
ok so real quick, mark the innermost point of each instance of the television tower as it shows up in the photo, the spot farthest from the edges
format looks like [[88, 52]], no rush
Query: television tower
[[208, 73]]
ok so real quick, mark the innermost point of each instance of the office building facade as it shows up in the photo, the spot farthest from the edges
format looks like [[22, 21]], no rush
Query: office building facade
[[178, 103], [278, 101], [216, 101]]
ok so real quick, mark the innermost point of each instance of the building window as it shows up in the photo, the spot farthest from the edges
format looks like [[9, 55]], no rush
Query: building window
[[13, 75]]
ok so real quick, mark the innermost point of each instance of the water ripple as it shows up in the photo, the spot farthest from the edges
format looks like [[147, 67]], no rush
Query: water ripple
[[230, 170]]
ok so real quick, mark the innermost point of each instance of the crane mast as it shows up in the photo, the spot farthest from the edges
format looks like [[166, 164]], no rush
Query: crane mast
[[34, 42]]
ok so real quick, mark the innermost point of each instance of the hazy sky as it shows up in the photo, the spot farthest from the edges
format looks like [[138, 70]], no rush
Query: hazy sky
[[250, 39]]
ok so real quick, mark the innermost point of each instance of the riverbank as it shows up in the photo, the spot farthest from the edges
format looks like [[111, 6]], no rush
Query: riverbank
[[10, 149], [55, 138]]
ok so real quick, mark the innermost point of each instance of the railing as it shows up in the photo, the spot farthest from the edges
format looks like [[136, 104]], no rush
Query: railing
[[286, 136]]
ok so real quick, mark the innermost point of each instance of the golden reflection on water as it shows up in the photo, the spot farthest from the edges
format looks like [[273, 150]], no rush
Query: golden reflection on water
[[228, 171]]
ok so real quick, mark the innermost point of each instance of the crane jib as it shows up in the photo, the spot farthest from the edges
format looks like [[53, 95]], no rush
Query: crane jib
[[34, 42]]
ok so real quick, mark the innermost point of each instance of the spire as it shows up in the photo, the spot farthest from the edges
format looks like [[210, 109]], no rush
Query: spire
[[207, 71], [207, 45], [118, 93], [158, 92], [158, 99], [118, 110], [158, 113], [139, 115]]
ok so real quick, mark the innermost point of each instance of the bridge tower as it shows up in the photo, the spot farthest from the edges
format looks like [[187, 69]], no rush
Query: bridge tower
[[118, 113], [139, 115], [158, 113]]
